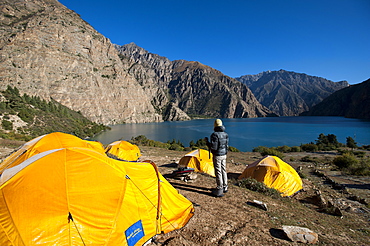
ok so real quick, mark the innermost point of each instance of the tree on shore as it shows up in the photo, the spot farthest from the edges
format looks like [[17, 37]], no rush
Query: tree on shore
[[350, 143]]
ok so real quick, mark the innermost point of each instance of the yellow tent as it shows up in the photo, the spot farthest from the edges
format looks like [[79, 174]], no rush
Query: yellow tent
[[200, 160], [79, 196], [123, 150], [55, 140], [274, 173]]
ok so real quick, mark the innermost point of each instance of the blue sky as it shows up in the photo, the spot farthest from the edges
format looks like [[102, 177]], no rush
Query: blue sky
[[325, 38]]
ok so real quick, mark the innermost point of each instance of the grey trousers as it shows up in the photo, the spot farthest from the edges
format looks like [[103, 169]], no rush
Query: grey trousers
[[219, 162]]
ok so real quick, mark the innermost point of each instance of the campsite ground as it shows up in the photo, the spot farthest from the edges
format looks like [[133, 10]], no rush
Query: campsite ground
[[231, 220]]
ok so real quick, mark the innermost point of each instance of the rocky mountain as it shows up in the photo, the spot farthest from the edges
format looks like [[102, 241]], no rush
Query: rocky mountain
[[351, 102], [191, 87], [47, 50], [289, 93]]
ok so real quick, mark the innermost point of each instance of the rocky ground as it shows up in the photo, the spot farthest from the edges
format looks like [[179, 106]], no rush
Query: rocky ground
[[233, 220]]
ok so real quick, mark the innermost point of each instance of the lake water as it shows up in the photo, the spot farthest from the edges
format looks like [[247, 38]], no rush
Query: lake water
[[245, 134]]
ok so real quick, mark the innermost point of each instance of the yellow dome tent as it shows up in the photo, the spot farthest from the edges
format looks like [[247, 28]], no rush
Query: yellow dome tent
[[123, 150], [55, 140], [79, 196], [200, 160], [274, 173]]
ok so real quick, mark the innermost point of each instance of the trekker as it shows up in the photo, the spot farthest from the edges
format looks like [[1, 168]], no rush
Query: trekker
[[218, 145]]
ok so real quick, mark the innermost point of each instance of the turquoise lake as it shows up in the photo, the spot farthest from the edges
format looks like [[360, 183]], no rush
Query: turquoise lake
[[245, 134]]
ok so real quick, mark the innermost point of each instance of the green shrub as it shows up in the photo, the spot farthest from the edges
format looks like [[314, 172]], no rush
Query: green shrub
[[144, 141], [345, 161], [359, 154], [7, 125], [200, 144], [309, 147], [284, 149], [176, 146], [272, 152], [259, 149], [260, 187], [351, 143], [362, 168], [233, 149], [295, 149], [268, 151]]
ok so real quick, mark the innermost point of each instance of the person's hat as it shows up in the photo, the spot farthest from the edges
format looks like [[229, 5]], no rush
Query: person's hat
[[218, 122]]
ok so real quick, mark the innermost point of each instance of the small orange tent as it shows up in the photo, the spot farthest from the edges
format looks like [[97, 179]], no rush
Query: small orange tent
[[123, 150], [274, 173], [79, 196], [200, 160]]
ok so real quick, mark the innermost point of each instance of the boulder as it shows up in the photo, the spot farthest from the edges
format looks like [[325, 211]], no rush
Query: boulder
[[300, 234]]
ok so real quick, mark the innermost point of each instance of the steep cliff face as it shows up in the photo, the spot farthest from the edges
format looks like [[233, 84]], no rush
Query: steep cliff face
[[191, 87], [49, 51], [153, 73], [202, 90], [289, 93], [351, 102]]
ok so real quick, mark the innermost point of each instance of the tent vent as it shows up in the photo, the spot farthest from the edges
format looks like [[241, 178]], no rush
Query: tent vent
[[70, 217]]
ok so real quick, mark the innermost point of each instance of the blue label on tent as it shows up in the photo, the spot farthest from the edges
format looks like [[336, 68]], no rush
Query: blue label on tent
[[134, 233]]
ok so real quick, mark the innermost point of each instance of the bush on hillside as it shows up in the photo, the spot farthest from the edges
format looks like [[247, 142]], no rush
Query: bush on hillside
[[233, 149], [349, 164], [362, 168], [259, 149], [7, 125], [309, 147], [351, 143], [144, 141], [345, 161], [200, 144], [284, 149], [260, 187], [176, 147], [295, 149], [268, 151]]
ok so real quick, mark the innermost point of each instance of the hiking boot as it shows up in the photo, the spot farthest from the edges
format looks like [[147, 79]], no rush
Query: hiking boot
[[218, 192], [225, 190]]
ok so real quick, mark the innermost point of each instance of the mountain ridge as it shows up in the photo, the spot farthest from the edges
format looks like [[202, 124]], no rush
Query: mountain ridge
[[187, 85], [350, 102], [289, 93]]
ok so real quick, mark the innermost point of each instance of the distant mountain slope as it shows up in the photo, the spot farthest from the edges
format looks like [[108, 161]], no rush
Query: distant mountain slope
[[23, 117], [351, 102], [47, 50], [289, 93], [191, 87]]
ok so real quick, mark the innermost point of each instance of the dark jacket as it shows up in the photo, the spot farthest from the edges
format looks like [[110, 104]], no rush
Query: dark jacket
[[219, 142]]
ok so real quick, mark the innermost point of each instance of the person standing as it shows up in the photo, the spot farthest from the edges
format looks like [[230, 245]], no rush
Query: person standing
[[218, 145]]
